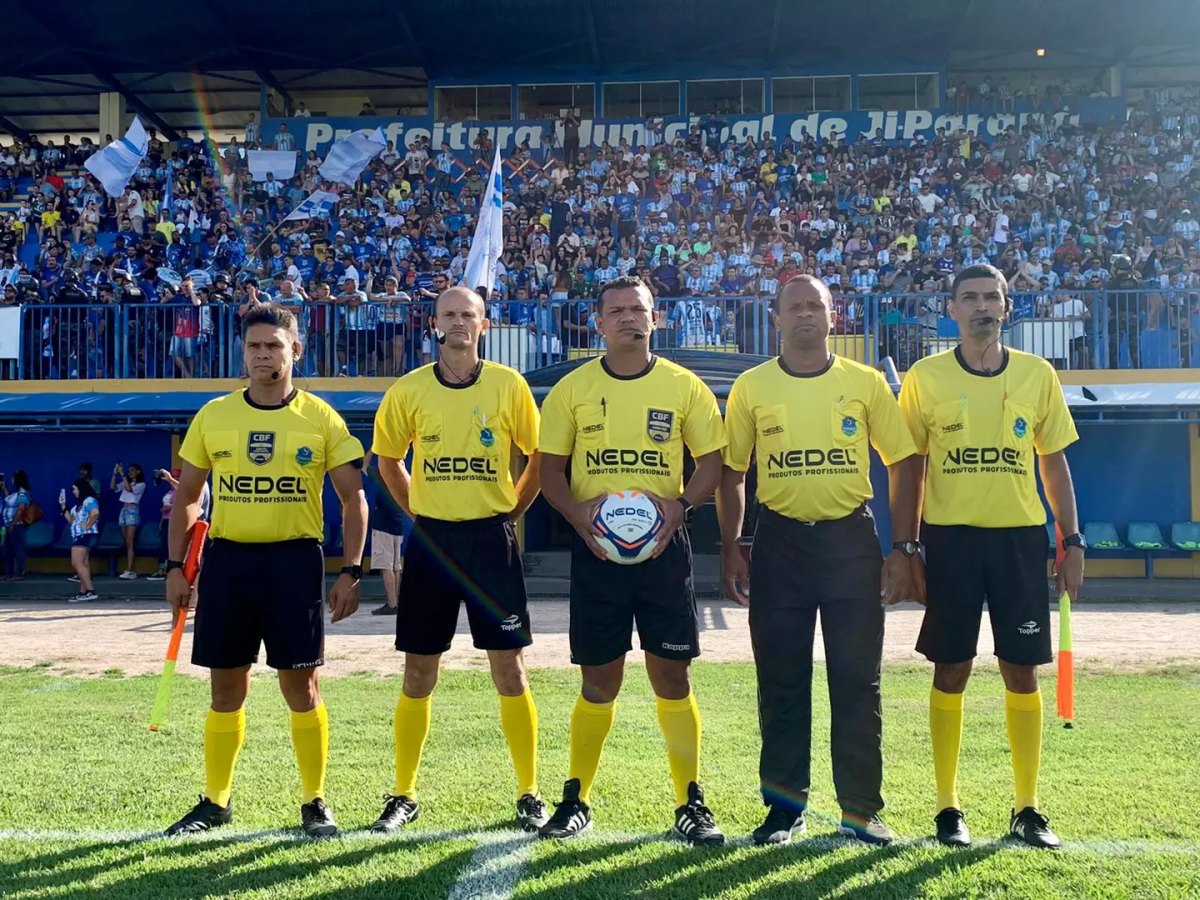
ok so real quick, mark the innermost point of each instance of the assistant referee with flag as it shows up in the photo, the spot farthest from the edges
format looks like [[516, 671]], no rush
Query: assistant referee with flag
[[984, 415], [268, 447], [810, 418]]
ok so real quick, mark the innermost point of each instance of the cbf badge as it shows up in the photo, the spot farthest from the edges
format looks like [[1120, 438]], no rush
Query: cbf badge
[[658, 425], [849, 426], [1020, 427], [304, 455], [260, 447], [486, 437]]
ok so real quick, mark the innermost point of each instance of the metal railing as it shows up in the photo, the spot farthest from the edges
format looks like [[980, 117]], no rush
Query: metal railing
[[1072, 329]]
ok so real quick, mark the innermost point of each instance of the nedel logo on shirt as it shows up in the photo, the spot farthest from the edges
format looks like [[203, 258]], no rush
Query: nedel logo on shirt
[[813, 460]]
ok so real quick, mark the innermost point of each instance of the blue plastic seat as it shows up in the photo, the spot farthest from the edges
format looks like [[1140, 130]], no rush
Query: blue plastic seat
[[1146, 536], [111, 539], [1102, 536], [39, 535], [147, 539], [64, 539], [1186, 536]]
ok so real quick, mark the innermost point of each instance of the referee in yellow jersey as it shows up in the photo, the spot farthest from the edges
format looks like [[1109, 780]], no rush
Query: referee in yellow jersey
[[984, 415], [622, 422], [462, 416], [809, 419], [268, 447]]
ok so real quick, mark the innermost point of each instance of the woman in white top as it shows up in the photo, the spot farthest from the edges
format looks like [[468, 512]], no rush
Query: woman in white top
[[131, 487]]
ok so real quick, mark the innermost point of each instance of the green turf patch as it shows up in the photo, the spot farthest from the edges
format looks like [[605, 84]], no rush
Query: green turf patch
[[80, 761]]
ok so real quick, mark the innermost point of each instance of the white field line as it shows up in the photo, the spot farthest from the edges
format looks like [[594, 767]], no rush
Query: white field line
[[501, 843], [495, 868]]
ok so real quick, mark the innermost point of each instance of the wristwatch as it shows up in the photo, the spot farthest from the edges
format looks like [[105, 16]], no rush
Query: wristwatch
[[174, 564], [355, 572], [1075, 540], [908, 548], [687, 506]]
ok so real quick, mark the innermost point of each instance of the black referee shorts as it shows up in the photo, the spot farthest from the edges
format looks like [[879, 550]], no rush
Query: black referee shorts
[[448, 564], [1006, 567], [253, 594], [608, 598]]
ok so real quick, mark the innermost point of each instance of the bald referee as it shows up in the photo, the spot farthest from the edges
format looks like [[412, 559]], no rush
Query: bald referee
[[462, 416], [622, 422], [268, 447], [809, 419], [984, 415]]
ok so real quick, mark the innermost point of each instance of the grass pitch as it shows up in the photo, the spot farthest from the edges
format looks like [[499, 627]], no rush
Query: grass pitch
[[85, 784]]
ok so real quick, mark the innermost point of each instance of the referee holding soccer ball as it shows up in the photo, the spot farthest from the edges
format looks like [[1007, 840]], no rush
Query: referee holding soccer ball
[[810, 419], [622, 422]]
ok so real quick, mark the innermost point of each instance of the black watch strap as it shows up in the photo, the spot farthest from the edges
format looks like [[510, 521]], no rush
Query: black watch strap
[[174, 564], [1075, 540], [687, 505], [355, 572], [908, 548]]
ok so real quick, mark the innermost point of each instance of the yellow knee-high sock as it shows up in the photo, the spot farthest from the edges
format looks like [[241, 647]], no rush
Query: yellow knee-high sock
[[410, 728], [223, 736], [519, 722], [1023, 715], [680, 724], [590, 724], [945, 727], [310, 740]]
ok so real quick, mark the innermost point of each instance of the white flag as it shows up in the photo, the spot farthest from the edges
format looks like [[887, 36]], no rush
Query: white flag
[[318, 203], [349, 156], [488, 243], [115, 164], [280, 163]]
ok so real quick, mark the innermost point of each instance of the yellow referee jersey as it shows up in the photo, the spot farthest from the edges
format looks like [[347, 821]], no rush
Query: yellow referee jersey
[[981, 432], [268, 464], [811, 435], [628, 433], [462, 437]]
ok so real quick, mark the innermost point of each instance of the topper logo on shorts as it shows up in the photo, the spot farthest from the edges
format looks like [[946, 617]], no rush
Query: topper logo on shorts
[[1029, 628], [658, 425], [512, 623], [260, 447]]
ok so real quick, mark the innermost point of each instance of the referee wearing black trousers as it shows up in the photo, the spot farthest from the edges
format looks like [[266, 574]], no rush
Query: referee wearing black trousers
[[809, 419]]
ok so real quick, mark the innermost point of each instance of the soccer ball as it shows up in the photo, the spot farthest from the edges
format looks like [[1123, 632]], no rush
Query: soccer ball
[[629, 523]]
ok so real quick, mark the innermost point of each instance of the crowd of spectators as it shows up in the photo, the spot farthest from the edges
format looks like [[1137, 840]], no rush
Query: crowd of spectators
[[1056, 207]]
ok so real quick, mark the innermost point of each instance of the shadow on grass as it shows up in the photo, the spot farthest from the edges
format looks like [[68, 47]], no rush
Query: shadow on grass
[[194, 869], [682, 872]]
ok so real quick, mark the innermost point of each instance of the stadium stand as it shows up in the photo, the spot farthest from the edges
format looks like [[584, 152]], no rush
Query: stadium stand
[[1093, 225]]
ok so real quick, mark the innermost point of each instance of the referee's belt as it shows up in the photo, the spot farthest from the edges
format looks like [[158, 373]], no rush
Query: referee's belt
[[461, 524], [780, 518]]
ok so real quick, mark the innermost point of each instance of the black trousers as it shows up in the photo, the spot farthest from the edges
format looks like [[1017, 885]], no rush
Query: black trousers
[[798, 569]]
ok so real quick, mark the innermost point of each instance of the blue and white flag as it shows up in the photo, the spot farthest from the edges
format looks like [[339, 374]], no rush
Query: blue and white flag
[[115, 164], [348, 157], [169, 192], [480, 272], [318, 204], [280, 163]]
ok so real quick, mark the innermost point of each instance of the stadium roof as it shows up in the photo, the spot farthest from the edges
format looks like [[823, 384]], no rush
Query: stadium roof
[[71, 50]]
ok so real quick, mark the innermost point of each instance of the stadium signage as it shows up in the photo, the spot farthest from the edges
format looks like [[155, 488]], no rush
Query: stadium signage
[[319, 134]]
